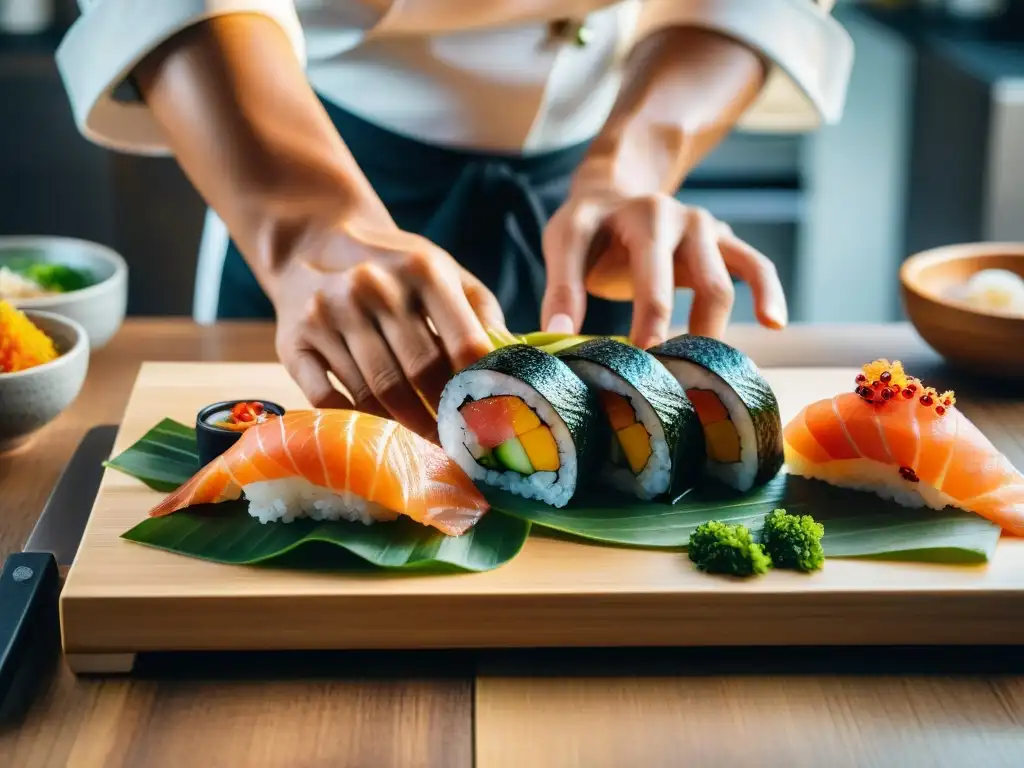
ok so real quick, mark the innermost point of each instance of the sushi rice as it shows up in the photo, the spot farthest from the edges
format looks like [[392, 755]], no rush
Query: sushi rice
[[873, 477], [554, 488], [656, 475], [293, 498]]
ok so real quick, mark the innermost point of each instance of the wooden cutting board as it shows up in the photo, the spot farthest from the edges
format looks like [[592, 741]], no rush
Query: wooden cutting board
[[121, 598]]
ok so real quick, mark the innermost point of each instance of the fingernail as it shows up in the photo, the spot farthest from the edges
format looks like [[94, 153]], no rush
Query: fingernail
[[560, 324], [776, 314]]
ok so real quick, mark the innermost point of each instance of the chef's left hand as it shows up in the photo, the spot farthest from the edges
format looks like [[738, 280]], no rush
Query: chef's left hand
[[621, 247]]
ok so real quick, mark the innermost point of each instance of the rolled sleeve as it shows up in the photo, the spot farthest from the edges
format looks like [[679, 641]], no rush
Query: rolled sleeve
[[112, 36], [810, 52]]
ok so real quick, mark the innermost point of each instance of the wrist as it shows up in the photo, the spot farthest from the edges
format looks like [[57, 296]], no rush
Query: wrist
[[635, 159], [292, 221]]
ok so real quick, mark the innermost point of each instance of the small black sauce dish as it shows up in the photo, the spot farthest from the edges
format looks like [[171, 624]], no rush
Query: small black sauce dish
[[212, 441]]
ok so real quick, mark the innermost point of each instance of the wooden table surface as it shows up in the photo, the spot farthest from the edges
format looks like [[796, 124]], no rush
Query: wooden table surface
[[697, 707]]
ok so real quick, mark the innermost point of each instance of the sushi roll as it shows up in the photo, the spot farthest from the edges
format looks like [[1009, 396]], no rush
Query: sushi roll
[[735, 405], [656, 445], [519, 419]]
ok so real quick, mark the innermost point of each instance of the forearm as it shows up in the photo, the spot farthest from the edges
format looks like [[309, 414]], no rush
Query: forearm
[[251, 135], [684, 89]]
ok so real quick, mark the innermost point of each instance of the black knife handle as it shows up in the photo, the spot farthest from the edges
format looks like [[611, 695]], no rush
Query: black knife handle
[[29, 588]]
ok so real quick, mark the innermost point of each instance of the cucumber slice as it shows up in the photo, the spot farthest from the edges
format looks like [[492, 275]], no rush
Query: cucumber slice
[[512, 454]]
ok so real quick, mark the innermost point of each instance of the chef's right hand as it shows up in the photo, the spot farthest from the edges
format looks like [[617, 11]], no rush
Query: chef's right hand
[[353, 293], [355, 300]]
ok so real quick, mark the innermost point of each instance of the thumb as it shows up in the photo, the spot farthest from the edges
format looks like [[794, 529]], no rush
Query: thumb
[[565, 298]]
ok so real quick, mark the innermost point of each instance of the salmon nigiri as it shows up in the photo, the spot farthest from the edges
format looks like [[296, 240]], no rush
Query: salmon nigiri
[[907, 442], [336, 464]]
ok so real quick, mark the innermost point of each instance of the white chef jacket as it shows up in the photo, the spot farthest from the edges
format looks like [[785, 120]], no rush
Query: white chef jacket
[[478, 74]]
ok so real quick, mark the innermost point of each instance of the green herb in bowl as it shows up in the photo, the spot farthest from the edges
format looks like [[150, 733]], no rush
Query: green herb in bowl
[[25, 278], [56, 277]]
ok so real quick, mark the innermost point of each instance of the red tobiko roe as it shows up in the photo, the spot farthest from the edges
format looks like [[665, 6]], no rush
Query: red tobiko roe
[[908, 474], [889, 379]]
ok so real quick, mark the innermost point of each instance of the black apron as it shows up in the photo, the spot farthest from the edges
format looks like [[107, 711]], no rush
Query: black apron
[[487, 210]]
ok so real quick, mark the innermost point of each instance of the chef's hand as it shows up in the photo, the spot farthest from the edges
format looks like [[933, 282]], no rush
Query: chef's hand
[[643, 248], [355, 301]]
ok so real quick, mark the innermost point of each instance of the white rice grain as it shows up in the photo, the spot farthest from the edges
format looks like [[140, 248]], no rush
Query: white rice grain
[[289, 499], [872, 476]]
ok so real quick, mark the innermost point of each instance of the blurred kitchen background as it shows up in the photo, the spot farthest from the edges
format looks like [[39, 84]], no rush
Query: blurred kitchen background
[[931, 151]]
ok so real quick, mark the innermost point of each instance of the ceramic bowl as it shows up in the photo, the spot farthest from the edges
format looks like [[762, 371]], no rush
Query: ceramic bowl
[[989, 342], [31, 399], [100, 307]]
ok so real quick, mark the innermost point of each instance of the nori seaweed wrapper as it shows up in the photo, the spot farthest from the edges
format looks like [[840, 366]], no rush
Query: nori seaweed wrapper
[[554, 381], [746, 379], [684, 434]]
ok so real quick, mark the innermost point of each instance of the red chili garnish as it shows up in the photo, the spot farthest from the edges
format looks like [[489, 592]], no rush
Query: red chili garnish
[[886, 377], [245, 413], [926, 400]]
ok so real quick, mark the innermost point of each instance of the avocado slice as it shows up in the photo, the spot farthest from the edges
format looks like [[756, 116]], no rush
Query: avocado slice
[[487, 460], [615, 454], [512, 454]]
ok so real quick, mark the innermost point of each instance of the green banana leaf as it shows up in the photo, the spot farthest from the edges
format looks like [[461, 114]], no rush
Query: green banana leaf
[[857, 523], [226, 533], [165, 457]]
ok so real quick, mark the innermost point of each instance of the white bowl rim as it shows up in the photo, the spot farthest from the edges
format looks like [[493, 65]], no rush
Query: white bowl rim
[[913, 265], [98, 249], [81, 344]]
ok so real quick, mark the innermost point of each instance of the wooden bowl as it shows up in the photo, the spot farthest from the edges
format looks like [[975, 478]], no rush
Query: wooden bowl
[[990, 342]]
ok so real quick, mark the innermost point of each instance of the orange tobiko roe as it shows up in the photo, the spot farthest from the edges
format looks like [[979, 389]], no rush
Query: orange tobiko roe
[[22, 344]]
